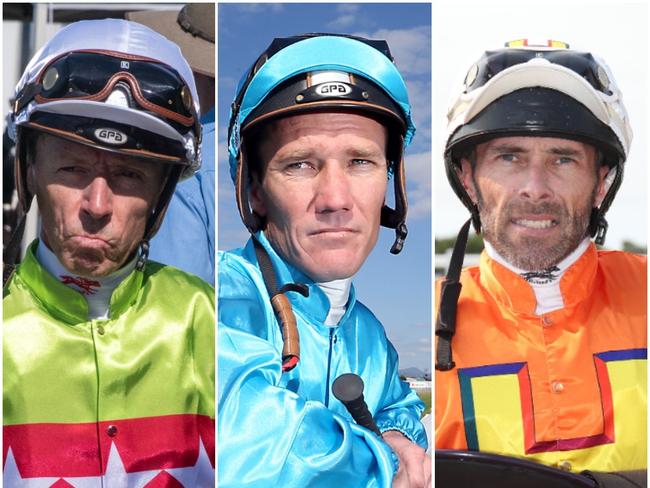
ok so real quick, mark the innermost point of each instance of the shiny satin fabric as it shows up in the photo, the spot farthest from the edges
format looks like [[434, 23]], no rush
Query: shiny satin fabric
[[567, 388], [287, 429], [139, 387]]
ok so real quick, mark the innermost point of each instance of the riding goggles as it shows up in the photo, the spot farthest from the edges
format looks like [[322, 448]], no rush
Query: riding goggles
[[92, 75], [581, 63]]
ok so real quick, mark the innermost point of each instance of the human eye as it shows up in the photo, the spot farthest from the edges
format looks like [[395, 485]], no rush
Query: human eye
[[507, 157], [562, 160], [71, 168], [368, 163], [361, 162], [129, 174], [298, 167]]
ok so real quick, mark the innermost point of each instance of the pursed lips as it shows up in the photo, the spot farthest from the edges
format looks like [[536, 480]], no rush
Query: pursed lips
[[93, 240]]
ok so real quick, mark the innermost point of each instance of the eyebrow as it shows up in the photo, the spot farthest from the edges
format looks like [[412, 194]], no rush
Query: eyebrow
[[364, 152], [557, 150], [295, 154], [355, 152]]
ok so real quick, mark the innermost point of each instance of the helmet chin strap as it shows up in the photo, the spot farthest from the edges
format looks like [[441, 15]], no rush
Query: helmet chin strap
[[396, 218], [451, 286], [144, 254]]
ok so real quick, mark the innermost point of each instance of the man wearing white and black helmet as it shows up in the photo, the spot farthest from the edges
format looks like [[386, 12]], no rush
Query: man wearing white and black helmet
[[317, 128], [542, 348], [108, 358]]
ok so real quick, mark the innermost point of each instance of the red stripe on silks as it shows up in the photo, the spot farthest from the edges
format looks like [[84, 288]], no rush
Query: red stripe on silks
[[51, 450], [151, 443], [206, 431], [607, 397], [69, 450], [527, 411]]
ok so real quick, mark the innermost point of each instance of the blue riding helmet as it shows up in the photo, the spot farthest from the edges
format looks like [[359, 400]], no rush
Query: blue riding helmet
[[316, 72]]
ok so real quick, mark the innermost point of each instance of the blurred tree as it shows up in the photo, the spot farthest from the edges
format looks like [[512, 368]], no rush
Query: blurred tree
[[630, 246], [474, 244]]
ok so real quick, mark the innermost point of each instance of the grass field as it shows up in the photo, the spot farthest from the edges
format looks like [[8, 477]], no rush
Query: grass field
[[425, 396]]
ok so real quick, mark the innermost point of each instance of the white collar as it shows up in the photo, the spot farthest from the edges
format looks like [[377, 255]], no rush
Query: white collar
[[338, 293], [545, 283], [96, 291]]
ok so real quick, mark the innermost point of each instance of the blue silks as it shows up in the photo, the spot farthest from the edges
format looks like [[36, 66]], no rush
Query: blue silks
[[287, 429]]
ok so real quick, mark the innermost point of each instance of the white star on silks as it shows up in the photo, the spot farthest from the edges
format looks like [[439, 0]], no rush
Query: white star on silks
[[11, 477], [117, 477], [201, 475]]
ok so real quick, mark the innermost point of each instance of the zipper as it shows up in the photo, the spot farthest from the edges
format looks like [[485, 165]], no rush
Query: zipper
[[329, 365]]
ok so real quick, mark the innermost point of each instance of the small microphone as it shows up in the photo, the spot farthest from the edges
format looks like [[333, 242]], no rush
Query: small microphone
[[348, 389]]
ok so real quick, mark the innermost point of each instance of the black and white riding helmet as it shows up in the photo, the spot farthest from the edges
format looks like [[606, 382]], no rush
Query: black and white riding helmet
[[540, 90], [116, 86]]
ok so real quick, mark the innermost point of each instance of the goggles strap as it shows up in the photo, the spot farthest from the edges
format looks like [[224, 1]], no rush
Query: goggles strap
[[451, 286], [282, 307]]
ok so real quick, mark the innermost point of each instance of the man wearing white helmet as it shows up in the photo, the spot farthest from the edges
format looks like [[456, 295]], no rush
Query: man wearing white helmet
[[542, 348], [318, 125], [108, 359]]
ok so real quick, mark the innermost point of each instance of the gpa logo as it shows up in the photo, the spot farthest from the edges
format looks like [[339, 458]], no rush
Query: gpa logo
[[110, 136], [333, 89]]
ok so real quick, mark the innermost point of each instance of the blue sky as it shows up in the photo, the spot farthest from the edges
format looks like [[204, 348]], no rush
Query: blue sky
[[396, 288]]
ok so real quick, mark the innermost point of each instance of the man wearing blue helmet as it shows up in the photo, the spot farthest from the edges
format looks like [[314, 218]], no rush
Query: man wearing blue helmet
[[318, 125], [108, 357]]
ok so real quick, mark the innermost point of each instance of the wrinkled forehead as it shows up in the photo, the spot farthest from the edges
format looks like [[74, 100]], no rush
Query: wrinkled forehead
[[530, 144], [331, 121], [49, 148]]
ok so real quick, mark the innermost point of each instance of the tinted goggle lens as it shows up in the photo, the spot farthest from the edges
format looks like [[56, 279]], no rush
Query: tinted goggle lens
[[86, 74], [494, 62]]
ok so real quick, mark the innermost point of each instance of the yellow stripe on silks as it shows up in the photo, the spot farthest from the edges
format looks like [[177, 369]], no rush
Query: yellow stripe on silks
[[499, 421], [630, 407], [497, 407], [629, 390]]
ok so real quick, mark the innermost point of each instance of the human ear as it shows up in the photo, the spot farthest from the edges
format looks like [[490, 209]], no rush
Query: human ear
[[31, 178], [603, 184], [465, 175], [257, 198]]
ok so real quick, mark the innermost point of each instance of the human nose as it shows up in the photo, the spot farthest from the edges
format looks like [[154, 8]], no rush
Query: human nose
[[333, 193], [98, 198], [536, 184]]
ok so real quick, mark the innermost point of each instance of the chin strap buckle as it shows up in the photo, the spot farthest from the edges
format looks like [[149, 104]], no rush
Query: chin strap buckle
[[601, 231], [144, 255], [401, 231]]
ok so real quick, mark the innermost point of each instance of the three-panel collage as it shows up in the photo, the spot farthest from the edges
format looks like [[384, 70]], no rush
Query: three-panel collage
[[325, 245]]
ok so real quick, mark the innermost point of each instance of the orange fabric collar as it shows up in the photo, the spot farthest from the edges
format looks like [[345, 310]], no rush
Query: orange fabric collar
[[515, 293]]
